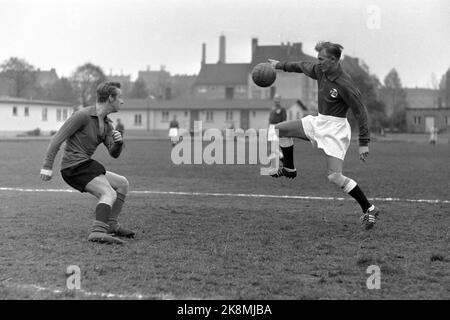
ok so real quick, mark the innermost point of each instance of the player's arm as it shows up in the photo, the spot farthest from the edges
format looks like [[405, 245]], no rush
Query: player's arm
[[114, 143], [352, 97], [310, 69], [74, 123]]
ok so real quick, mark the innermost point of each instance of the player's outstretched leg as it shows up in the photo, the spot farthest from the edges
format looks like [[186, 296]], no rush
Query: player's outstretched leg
[[120, 185], [370, 212], [100, 188]]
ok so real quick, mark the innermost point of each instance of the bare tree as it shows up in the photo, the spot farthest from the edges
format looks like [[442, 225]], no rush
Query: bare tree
[[21, 74], [85, 80]]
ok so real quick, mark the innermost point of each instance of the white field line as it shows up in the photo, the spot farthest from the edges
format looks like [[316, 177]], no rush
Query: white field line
[[242, 195], [83, 293]]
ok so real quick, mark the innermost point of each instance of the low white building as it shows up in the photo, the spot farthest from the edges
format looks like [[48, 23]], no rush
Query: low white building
[[154, 116], [22, 115]]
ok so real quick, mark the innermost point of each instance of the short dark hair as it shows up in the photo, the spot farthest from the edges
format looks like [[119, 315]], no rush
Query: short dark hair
[[333, 49], [106, 89]]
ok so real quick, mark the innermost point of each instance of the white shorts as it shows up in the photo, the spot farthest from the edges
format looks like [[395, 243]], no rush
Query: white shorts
[[173, 132], [332, 134], [271, 133]]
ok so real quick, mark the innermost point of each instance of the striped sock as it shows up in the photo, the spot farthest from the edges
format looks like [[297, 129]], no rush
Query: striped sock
[[359, 196]]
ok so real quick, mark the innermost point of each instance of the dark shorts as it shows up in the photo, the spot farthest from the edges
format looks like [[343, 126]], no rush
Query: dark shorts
[[81, 174]]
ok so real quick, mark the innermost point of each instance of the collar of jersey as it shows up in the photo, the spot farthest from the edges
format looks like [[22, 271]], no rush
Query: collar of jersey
[[93, 113], [334, 75]]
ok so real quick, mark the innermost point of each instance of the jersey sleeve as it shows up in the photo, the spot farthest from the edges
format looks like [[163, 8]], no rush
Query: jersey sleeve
[[310, 69], [114, 148], [72, 125], [352, 97], [283, 114]]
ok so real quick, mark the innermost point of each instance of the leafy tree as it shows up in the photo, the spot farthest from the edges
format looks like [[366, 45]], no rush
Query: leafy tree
[[85, 80], [396, 99], [139, 90], [62, 90], [444, 89], [21, 74]]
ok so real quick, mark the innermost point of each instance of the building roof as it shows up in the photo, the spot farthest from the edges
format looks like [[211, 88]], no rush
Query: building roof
[[202, 104], [354, 66], [223, 74], [9, 100], [46, 77], [283, 52], [422, 98]]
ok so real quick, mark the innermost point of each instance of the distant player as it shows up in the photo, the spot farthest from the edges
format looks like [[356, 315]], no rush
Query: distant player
[[433, 136], [330, 130], [173, 131], [83, 132]]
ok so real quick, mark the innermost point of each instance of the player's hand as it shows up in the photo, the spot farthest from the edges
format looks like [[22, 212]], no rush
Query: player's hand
[[117, 137], [363, 153], [46, 174], [273, 62]]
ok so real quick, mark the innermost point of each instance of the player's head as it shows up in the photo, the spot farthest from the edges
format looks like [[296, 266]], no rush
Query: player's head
[[110, 93], [277, 100], [328, 54]]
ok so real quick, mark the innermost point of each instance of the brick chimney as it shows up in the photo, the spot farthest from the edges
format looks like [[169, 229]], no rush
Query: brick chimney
[[254, 45], [222, 49], [203, 53]]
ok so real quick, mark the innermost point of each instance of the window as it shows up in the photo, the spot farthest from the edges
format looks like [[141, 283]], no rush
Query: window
[[185, 114], [65, 114], [137, 119], [44, 114], [240, 89], [229, 115], [416, 119], [26, 111], [14, 111], [229, 93], [209, 116], [447, 120], [254, 113], [58, 114], [165, 116], [202, 89]]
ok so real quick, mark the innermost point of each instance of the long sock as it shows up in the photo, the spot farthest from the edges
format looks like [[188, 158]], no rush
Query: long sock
[[102, 212], [115, 211], [287, 148], [359, 196], [288, 157], [99, 226]]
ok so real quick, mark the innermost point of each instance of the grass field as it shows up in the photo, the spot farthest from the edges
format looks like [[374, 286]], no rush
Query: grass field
[[228, 247]]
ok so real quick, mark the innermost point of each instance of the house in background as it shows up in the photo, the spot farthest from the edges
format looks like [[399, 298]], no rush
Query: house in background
[[287, 84], [426, 111], [124, 80], [21, 115]]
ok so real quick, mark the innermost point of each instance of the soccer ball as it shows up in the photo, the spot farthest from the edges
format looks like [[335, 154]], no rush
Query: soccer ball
[[263, 75]]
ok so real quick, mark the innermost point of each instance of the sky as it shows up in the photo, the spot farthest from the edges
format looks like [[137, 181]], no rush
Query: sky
[[125, 36]]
